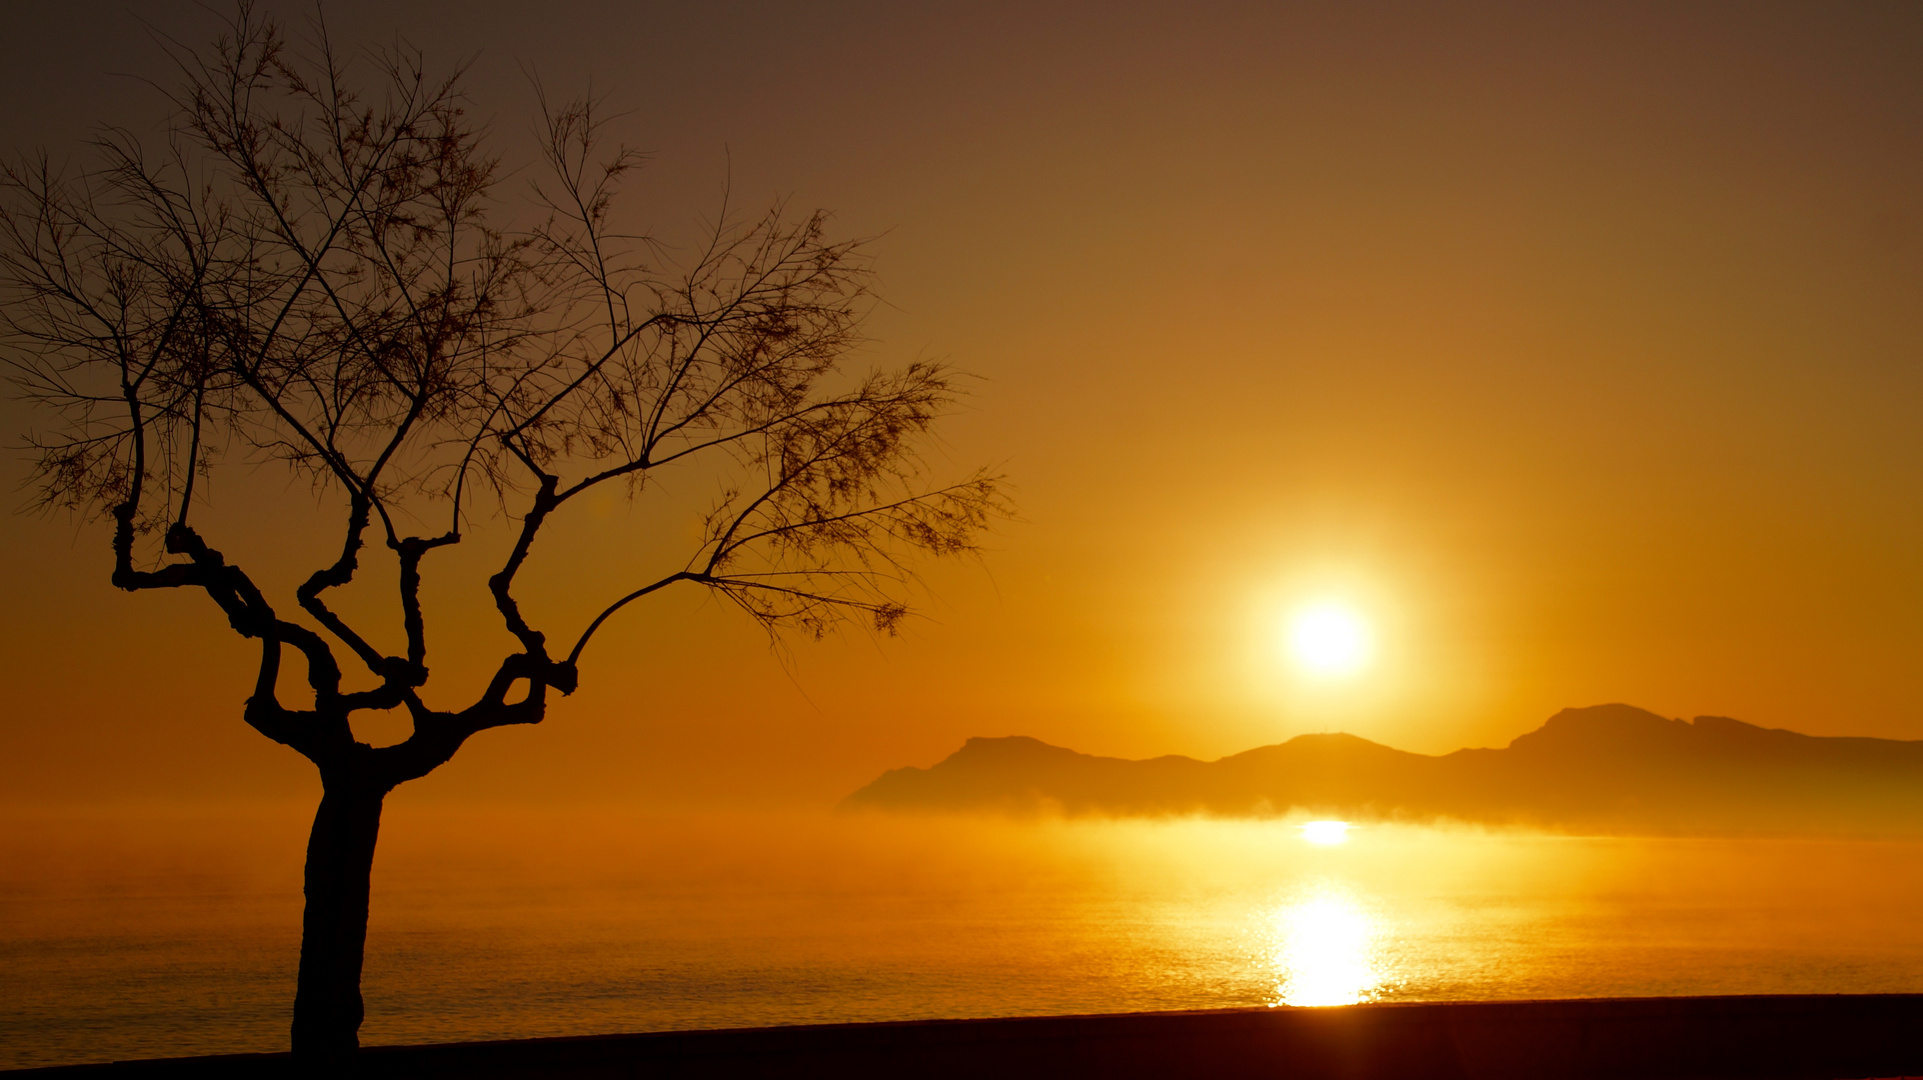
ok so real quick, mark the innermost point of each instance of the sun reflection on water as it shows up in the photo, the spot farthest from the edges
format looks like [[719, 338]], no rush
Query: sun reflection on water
[[1325, 832], [1325, 949]]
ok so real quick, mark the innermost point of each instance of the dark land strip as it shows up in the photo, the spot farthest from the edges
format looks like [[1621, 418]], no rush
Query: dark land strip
[[1818, 1037]]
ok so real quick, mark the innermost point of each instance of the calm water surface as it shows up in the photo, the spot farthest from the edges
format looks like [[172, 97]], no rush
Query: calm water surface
[[153, 934]]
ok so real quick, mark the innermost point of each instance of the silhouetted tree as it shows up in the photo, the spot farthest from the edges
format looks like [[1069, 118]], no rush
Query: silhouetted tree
[[318, 273]]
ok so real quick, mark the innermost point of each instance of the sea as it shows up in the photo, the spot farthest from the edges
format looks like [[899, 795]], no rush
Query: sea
[[156, 932]]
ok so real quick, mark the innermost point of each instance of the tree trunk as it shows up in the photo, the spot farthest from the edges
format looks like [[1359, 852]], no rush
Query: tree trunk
[[340, 862]]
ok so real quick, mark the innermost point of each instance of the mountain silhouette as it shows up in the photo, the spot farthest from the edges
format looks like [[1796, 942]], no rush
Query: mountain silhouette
[[1607, 768]]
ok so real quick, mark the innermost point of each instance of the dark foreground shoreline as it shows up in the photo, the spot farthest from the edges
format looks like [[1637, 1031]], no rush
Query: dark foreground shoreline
[[1821, 1037]]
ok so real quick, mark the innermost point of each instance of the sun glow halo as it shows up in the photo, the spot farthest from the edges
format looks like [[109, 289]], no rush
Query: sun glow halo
[[1329, 640]]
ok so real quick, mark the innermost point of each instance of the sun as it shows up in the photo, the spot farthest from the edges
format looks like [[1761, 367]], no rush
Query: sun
[[1329, 639]]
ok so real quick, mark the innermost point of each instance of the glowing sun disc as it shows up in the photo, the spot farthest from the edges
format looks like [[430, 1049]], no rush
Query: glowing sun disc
[[1329, 640]]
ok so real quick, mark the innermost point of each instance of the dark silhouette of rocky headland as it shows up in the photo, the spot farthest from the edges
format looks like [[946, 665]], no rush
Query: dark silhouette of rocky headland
[[1607, 768]]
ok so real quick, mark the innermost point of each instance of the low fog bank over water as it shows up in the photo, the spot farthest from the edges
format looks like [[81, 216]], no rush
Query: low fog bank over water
[[154, 933]]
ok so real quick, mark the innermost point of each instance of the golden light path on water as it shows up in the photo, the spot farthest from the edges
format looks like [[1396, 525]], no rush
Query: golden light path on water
[[1325, 947], [1325, 832], [149, 935], [1325, 951]]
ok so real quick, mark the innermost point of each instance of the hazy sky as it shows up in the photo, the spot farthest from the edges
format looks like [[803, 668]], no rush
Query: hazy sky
[[1575, 347]]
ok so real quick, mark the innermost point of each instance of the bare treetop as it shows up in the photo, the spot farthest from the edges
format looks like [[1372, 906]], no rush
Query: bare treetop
[[324, 277]]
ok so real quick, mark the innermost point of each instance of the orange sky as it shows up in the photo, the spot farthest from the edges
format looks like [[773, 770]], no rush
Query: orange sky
[[1577, 346]]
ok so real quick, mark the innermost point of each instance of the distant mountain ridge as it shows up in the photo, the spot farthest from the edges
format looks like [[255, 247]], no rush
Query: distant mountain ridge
[[1607, 768]]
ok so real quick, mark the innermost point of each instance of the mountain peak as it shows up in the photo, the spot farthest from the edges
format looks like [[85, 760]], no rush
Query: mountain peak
[[1008, 744], [1601, 727]]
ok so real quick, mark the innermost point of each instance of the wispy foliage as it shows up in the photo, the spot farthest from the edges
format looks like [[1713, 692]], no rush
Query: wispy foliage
[[331, 277]]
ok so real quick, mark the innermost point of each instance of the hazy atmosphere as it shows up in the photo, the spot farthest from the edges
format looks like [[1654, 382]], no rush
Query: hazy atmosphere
[[1575, 346], [1409, 371]]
